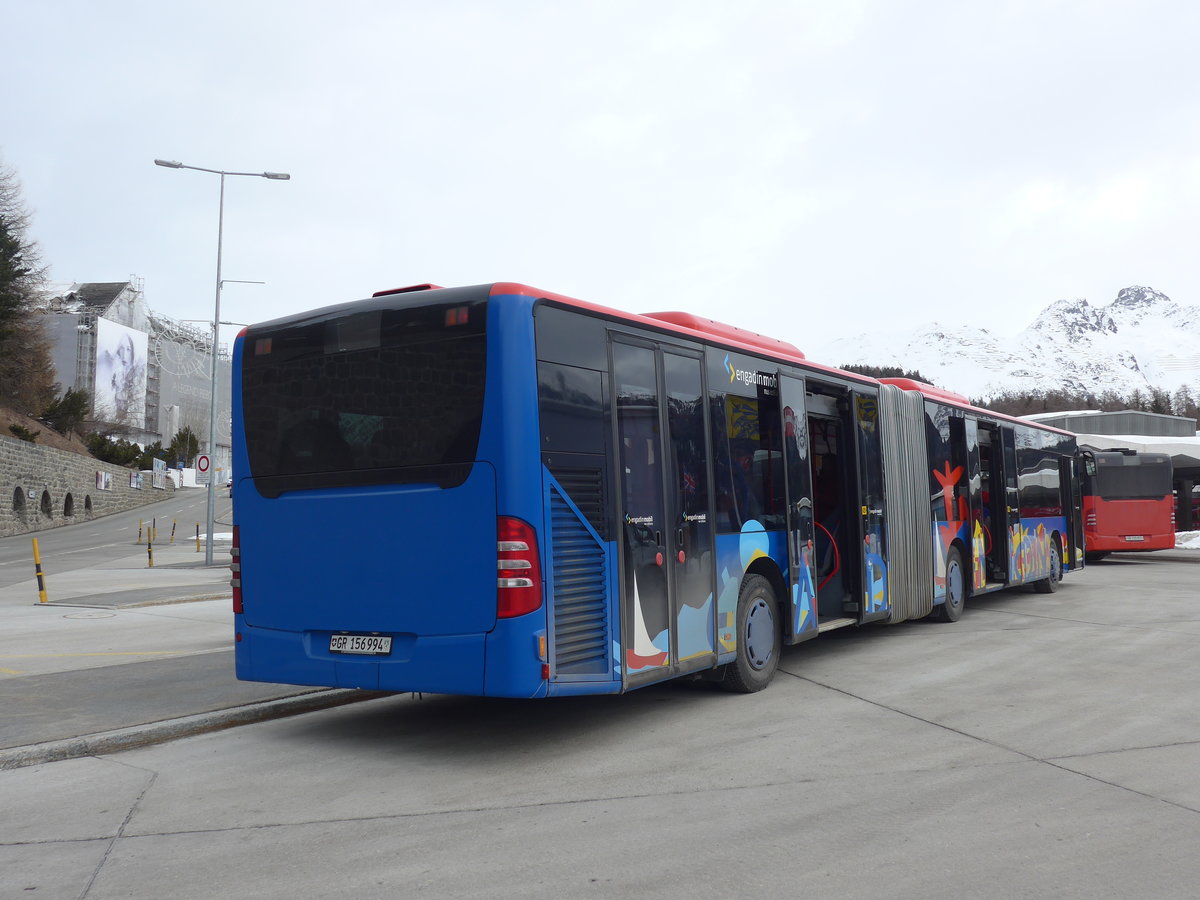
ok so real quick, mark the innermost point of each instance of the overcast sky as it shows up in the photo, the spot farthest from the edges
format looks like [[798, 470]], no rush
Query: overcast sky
[[805, 169]]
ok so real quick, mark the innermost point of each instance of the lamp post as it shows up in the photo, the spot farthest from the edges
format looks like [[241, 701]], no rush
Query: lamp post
[[212, 402]]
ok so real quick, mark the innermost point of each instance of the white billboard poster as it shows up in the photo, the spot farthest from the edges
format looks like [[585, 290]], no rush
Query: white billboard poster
[[120, 374]]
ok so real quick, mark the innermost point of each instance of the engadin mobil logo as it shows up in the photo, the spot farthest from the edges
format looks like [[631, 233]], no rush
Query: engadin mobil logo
[[752, 378]]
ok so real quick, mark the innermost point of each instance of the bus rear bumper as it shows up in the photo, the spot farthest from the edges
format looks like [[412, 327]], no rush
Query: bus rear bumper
[[450, 664], [1130, 542]]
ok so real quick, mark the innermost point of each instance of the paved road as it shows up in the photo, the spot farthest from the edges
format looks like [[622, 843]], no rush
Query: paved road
[[88, 544], [1043, 746]]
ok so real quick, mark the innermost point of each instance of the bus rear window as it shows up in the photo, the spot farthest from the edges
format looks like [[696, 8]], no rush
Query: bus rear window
[[377, 393], [1136, 480]]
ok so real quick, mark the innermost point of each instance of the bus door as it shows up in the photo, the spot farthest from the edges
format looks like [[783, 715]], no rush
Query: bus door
[[802, 592], [1012, 499], [1070, 484], [992, 515], [667, 574], [874, 602], [835, 509]]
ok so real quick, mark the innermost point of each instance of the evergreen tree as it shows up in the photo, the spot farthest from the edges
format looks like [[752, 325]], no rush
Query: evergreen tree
[[151, 453], [66, 413], [26, 371], [184, 447], [119, 452]]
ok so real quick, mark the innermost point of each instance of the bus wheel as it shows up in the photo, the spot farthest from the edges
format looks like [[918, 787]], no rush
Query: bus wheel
[[956, 588], [1050, 585], [759, 638]]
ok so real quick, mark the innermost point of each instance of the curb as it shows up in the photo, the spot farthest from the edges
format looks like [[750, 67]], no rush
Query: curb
[[185, 726], [97, 601]]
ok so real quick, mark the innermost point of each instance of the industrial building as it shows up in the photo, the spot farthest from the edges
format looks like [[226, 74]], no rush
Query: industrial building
[[148, 375]]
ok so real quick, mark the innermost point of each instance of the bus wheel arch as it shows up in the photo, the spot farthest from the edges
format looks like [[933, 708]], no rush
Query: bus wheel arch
[[956, 585], [766, 568], [759, 628], [1049, 584]]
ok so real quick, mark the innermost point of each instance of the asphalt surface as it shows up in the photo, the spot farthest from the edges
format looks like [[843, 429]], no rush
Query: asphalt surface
[[123, 653], [1046, 745]]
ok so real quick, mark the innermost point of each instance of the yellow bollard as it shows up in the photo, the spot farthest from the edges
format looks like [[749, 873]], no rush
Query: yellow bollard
[[197, 537], [150, 554], [153, 533], [139, 540], [172, 532], [37, 567]]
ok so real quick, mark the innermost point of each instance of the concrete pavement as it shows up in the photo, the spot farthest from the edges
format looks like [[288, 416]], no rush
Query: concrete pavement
[[124, 654]]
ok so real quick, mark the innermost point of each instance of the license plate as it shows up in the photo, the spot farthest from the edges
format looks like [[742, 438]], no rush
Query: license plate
[[1135, 537], [361, 644]]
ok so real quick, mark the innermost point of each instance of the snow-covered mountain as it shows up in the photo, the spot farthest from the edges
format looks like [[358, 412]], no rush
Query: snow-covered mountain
[[1143, 339]]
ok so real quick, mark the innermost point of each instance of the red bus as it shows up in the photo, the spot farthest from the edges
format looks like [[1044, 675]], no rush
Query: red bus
[[1127, 502]]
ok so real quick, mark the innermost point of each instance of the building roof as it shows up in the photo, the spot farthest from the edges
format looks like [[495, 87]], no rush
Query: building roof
[[99, 294], [1126, 421]]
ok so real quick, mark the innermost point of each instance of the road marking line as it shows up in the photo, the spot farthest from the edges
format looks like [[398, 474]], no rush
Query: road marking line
[[10, 672]]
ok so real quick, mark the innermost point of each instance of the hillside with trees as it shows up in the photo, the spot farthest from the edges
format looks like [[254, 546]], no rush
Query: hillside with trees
[[1025, 403]]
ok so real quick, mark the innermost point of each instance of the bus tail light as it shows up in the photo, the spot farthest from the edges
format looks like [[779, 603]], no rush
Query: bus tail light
[[518, 572], [235, 568]]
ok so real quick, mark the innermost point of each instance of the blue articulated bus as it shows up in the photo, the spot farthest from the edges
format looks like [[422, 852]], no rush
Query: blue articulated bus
[[498, 491]]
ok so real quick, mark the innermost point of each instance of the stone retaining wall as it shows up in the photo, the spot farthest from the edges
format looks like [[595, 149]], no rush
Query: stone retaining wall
[[41, 487]]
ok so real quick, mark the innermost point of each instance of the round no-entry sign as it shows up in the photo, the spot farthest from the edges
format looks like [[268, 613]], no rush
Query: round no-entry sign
[[202, 464]]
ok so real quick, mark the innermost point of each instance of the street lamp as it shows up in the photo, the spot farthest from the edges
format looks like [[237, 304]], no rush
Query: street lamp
[[212, 401]]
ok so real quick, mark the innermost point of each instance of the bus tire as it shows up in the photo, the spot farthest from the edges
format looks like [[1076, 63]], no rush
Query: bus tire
[[759, 638], [956, 588], [1049, 584]]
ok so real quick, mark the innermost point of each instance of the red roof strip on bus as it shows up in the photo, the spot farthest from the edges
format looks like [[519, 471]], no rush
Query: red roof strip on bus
[[955, 399], [727, 332], [909, 384]]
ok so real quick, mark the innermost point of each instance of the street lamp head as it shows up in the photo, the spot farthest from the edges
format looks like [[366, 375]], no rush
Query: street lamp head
[[168, 163], [277, 176]]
